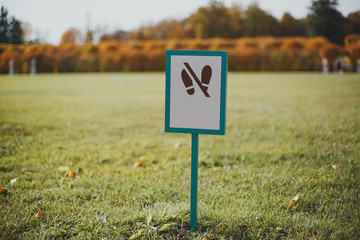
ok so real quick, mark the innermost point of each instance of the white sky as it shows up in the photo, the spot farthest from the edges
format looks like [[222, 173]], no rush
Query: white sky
[[51, 18]]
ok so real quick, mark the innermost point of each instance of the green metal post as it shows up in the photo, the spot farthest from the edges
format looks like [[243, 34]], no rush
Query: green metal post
[[194, 180]]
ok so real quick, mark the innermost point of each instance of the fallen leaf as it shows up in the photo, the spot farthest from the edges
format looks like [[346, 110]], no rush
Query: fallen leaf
[[80, 170], [294, 200], [314, 237], [63, 169], [176, 145], [3, 191], [214, 236], [34, 186], [13, 181], [39, 213], [70, 174], [335, 166], [138, 163]]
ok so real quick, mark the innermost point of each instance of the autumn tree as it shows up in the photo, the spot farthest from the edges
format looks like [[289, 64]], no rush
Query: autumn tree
[[169, 29], [237, 21], [117, 35], [289, 26], [325, 20], [69, 37], [259, 23], [353, 23], [211, 22]]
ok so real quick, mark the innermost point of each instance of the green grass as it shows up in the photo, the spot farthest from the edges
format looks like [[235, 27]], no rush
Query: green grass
[[284, 131]]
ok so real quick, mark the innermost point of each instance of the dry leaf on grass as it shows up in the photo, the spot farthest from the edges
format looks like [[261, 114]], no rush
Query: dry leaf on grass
[[39, 213], [336, 166], [294, 200], [3, 191], [34, 186], [138, 163], [214, 236], [70, 174]]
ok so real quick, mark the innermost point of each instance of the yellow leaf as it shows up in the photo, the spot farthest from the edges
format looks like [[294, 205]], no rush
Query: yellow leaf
[[294, 200], [39, 213], [138, 163], [70, 174], [335, 166]]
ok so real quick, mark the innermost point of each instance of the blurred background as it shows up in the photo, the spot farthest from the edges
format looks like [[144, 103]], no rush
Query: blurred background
[[93, 36]]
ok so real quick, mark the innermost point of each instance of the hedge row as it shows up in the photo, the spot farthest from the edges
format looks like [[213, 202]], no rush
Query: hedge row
[[246, 54]]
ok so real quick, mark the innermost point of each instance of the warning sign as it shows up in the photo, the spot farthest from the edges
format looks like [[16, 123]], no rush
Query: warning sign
[[195, 91]]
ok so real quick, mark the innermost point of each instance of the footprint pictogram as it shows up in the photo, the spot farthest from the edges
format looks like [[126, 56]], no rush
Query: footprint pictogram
[[206, 76], [206, 73], [187, 82]]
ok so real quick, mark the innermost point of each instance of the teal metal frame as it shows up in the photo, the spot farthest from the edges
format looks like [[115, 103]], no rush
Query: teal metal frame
[[223, 55]]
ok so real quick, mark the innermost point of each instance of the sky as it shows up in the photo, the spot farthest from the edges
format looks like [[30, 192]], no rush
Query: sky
[[49, 19]]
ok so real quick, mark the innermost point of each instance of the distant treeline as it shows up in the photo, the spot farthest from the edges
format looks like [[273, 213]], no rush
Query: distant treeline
[[245, 54], [218, 21]]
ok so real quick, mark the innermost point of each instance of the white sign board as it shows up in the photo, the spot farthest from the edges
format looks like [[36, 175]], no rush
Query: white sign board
[[195, 91]]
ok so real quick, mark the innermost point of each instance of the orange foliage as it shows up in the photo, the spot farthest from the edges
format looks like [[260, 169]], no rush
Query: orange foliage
[[222, 44], [176, 44], [353, 39], [247, 43], [245, 54], [352, 43], [271, 44], [293, 44], [331, 52], [69, 37], [316, 43]]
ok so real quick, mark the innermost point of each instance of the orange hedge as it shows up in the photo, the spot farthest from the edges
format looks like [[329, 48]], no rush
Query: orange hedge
[[245, 54]]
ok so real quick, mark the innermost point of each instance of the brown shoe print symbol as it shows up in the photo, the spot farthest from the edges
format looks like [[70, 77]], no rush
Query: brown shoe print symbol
[[187, 82], [205, 79], [206, 76]]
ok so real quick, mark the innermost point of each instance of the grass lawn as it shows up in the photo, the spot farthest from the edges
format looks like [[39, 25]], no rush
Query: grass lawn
[[286, 134]]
